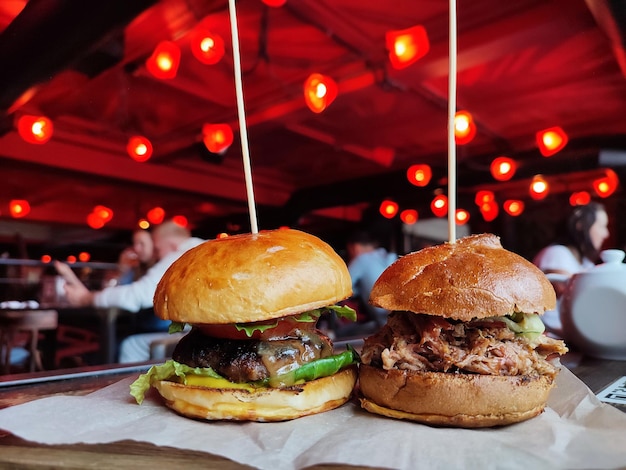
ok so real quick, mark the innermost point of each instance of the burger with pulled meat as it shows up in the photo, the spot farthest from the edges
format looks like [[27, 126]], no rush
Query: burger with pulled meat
[[464, 343], [253, 352]]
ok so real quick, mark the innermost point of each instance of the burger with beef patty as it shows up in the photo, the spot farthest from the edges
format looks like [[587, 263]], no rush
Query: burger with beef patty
[[464, 344], [253, 352]]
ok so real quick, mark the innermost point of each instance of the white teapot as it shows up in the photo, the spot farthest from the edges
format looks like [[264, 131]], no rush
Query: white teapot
[[593, 308]]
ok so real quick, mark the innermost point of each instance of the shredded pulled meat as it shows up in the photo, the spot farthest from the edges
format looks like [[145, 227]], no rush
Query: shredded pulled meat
[[419, 342]]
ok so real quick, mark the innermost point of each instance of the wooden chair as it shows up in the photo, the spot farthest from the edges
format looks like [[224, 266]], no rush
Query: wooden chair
[[20, 324], [72, 343]]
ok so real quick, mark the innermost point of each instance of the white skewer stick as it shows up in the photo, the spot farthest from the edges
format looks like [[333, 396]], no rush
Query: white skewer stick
[[451, 113], [243, 131]]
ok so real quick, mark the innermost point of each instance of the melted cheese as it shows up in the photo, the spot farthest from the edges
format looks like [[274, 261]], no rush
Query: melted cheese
[[212, 382]]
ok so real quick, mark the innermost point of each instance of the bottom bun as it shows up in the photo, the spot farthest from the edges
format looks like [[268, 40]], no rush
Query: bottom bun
[[448, 399], [263, 404]]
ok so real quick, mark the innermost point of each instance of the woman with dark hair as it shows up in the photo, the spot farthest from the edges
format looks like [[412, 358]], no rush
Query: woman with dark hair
[[586, 231]]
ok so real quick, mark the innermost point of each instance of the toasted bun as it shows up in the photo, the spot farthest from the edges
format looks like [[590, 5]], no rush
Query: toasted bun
[[472, 278], [252, 277], [460, 400], [267, 404]]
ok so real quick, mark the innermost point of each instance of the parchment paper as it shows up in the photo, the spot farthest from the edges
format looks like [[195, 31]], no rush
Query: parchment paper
[[576, 431]]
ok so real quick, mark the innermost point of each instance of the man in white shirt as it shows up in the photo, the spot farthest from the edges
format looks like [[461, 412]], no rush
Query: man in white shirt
[[170, 241]]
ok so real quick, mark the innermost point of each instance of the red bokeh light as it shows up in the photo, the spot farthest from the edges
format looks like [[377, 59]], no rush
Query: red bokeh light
[[483, 196], [19, 208], [579, 198], [607, 185], [217, 137], [156, 215], [489, 210], [35, 129], [513, 207], [319, 92], [388, 209], [180, 220], [164, 61], [503, 168], [139, 148], [406, 46], [94, 221], [461, 216], [539, 188], [439, 205], [409, 216], [103, 212], [551, 141], [207, 46], [464, 128], [419, 175]]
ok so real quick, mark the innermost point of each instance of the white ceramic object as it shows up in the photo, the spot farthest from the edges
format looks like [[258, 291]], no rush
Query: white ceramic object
[[593, 308]]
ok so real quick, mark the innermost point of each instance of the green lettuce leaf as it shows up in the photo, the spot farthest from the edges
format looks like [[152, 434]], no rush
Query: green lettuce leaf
[[250, 328], [175, 327], [166, 371], [304, 317], [342, 311]]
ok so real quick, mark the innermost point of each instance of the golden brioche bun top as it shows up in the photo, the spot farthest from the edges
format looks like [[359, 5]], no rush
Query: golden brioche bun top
[[472, 278], [252, 277]]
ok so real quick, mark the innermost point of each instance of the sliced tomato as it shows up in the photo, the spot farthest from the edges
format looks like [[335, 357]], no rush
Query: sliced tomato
[[225, 331], [283, 327]]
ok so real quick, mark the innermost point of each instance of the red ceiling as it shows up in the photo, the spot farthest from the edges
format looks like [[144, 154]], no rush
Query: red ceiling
[[522, 66]]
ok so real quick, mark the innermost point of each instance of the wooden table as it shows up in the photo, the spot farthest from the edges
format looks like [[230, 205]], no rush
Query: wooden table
[[597, 374]]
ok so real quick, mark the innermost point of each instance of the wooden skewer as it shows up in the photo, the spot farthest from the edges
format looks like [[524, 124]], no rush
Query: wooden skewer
[[451, 113], [241, 112]]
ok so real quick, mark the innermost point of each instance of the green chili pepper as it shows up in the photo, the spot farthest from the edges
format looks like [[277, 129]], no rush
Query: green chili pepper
[[315, 369]]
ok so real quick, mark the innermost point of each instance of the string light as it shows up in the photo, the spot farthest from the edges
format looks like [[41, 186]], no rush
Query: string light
[[439, 205], [419, 175], [579, 198], [461, 216], [19, 208], [513, 207], [607, 185], [35, 129], [207, 47], [139, 148], [539, 188], [156, 215], [551, 141], [388, 208], [217, 137], [164, 61], [409, 216], [464, 127], [503, 168], [406, 46], [319, 92]]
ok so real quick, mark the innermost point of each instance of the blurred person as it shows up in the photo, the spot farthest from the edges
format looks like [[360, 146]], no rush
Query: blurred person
[[367, 261], [170, 241], [576, 250], [135, 260], [579, 247]]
